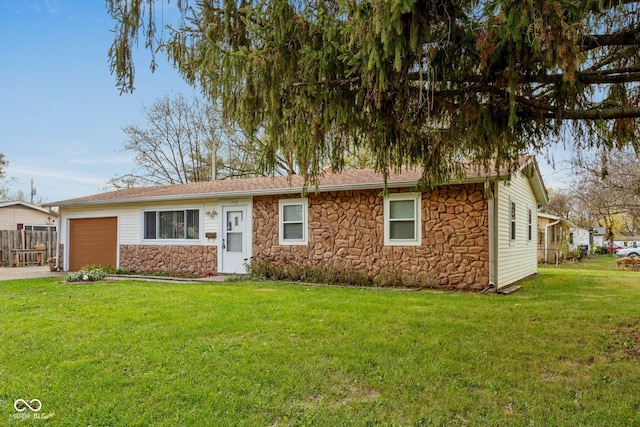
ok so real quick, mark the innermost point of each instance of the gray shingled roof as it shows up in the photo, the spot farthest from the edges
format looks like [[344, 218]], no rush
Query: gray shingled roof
[[356, 179]]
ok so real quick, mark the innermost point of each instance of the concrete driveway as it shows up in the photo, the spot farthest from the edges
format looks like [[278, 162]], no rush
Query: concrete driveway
[[15, 273]]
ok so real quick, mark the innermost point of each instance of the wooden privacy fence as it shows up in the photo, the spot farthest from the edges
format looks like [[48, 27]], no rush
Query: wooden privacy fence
[[26, 239]]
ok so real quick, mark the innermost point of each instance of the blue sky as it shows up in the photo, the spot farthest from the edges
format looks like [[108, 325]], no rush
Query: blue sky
[[61, 116]]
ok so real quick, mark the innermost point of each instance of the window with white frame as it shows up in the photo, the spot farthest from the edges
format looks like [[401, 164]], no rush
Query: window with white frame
[[530, 224], [40, 227], [402, 219], [293, 221], [512, 233], [171, 224]]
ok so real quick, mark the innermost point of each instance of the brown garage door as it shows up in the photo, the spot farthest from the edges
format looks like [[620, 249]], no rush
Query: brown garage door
[[92, 241]]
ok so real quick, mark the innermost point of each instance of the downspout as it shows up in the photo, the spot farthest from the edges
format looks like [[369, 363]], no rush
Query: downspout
[[546, 239], [490, 194], [57, 266]]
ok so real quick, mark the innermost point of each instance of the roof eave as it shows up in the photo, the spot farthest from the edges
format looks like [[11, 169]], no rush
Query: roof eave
[[29, 206], [250, 193], [537, 184], [230, 194]]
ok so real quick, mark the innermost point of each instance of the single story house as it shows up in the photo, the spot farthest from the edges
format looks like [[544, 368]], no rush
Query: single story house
[[553, 234], [598, 236], [18, 215], [469, 234], [627, 241], [580, 236]]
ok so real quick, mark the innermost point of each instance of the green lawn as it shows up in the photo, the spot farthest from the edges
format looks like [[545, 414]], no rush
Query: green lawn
[[564, 350]]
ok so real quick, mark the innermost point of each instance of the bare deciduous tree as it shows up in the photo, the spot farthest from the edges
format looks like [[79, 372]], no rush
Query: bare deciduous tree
[[560, 204], [607, 189], [186, 141]]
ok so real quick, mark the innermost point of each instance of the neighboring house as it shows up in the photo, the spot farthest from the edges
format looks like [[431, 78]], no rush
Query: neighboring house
[[558, 236], [627, 241], [580, 237], [598, 236], [552, 237], [469, 234], [17, 215], [549, 228]]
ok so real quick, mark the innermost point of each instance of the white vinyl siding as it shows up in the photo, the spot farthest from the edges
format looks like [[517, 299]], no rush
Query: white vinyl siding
[[67, 213], [130, 219], [517, 258], [12, 215]]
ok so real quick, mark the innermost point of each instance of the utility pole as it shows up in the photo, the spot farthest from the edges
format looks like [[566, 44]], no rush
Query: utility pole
[[33, 191], [214, 150]]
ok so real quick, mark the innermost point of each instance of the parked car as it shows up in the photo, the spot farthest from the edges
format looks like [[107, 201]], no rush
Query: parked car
[[613, 248], [630, 252]]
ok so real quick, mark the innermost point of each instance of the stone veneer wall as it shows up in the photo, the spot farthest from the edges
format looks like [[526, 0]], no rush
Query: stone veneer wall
[[346, 230], [196, 260]]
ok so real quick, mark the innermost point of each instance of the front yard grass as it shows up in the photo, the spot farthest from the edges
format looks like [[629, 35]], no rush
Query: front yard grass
[[564, 350]]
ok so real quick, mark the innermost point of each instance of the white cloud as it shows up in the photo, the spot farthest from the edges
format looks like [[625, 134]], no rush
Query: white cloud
[[58, 175], [94, 161], [54, 183]]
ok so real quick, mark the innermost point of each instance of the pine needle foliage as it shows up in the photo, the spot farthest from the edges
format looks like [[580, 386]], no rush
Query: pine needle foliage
[[431, 83]]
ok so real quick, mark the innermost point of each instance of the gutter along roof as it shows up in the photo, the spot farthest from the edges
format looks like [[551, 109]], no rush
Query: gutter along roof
[[355, 179]]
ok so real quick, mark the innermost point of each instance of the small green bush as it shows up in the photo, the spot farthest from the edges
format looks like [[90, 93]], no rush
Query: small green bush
[[268, 270], [600, 250], [573, 256], [108, 269], [388, 279], [265, 269], [86, 276]]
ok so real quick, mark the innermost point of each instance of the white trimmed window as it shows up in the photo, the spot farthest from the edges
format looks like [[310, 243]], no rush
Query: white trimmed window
[[171, 224], [530, 224], [39, 227], [293, 221], [512, 231], [402, 219]]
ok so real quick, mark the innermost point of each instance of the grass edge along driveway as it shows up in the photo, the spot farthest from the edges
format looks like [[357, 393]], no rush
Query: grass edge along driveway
[[564, 350]]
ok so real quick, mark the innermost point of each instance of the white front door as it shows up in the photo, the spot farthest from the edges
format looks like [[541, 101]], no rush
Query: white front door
[[236, 240]]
